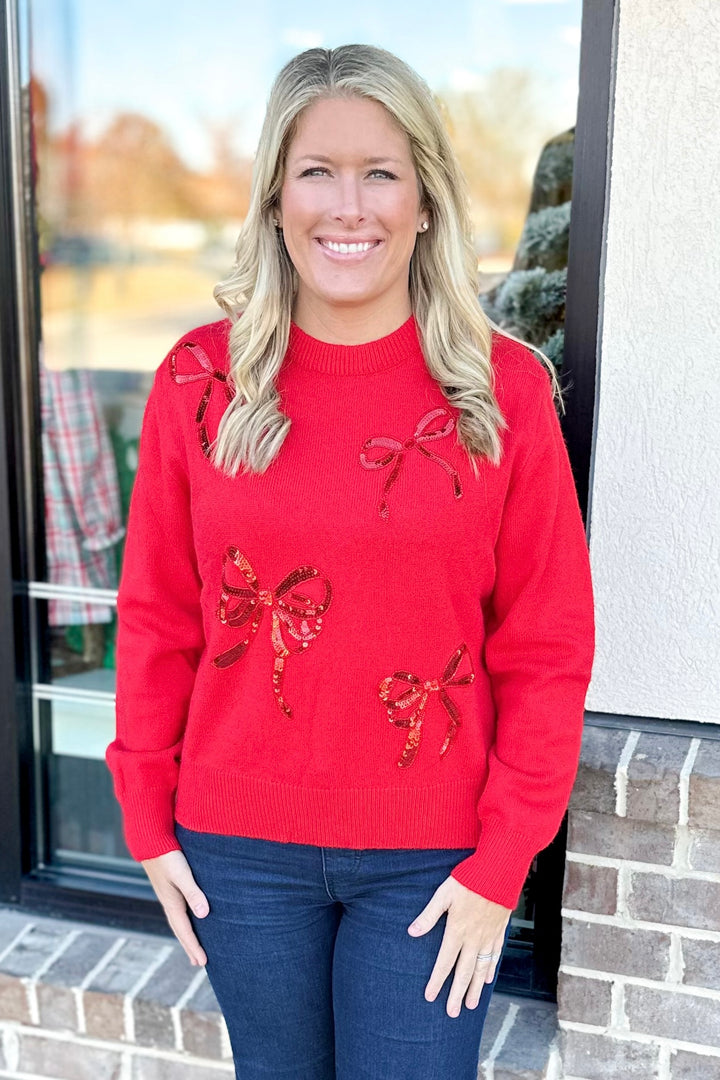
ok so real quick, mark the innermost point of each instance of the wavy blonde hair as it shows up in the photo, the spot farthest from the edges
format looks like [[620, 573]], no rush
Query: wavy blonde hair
[[455, 333]]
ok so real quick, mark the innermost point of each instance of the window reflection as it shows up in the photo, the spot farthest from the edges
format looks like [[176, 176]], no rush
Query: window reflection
[[529, 300], [144, 121], [83, 822], [83, 516]]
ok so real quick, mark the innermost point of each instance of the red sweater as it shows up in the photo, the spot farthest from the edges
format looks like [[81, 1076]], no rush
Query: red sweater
[[364, 646]]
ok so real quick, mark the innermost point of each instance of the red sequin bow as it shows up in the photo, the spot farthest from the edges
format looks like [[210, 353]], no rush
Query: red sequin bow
[[209, 373], [397, 451], [419, 690], [295, 615]]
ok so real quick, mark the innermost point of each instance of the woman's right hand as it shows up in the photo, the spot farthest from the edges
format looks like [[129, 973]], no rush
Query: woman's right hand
[[176, 889]]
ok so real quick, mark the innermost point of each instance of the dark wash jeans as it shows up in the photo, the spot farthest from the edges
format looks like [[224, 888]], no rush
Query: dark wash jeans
[[313, 967]]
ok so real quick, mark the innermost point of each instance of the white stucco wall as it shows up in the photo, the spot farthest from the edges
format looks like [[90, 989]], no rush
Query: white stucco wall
[[655, 498]]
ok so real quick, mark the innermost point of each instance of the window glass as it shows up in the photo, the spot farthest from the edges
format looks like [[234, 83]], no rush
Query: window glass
[[144, 122], [83, 820]]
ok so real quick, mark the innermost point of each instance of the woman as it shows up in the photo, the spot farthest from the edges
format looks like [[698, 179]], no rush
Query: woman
[[341, 836]]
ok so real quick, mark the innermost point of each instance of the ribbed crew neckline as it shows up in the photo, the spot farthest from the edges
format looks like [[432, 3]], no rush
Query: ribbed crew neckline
[[395, 348]]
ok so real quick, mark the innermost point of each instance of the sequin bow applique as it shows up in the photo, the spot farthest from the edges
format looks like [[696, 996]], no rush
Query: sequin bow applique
[[199, 367], [296, 615], [396, 452], [419, 691]]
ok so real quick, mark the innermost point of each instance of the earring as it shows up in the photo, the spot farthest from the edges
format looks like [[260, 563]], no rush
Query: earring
[[276, 223], [424, 226]]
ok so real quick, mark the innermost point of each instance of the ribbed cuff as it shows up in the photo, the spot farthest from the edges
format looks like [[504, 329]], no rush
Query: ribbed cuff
[[498, 867], [149, 824]]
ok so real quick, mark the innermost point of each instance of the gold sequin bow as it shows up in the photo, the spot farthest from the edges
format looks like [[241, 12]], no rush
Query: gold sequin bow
[[397, 451], [298, 615], [419, 690], [208, 372]]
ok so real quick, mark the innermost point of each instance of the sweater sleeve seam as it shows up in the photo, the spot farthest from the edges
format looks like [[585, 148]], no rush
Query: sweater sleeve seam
[[532, 442]]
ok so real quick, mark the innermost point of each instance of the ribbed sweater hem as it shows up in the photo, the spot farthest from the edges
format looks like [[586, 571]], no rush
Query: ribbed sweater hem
[[442, 815], [433, 816]]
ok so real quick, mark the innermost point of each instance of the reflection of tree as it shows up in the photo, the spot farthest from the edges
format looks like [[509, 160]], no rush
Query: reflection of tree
[[132, 171], [530, 300], [224, 191], [228, 183], [495, 129]]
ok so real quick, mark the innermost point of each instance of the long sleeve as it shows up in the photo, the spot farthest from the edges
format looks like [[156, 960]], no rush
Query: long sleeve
[[538, 653], [160, 631]]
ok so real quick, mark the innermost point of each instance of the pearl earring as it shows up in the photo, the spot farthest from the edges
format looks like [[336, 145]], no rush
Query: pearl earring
[[424, 225]]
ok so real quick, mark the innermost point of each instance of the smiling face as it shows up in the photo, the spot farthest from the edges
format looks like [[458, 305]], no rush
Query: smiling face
[[350, 214]]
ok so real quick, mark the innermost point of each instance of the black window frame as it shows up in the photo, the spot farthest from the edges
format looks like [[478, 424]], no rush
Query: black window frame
[[112, 901]]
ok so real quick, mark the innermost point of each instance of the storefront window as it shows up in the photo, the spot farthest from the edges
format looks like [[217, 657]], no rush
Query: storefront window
[[143, 124]]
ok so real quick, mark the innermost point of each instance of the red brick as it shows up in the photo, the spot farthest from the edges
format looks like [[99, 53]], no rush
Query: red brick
[[11, 923], [13, 1000], [687, 1066], [103, 999], [590, 888], [34, 949], [702, 963], [653, 777], [601, 1057], [153, 1019], [594, 787], [66, 1059], [615, 949], [524, 1054], [676, 901], [126, 966], [585, 1001], [202, 1023], [704, 798], [705, 849], [79, 959], [157, 1068], [682, 1016], [57, 1007], [104, 1017], [620, 838]]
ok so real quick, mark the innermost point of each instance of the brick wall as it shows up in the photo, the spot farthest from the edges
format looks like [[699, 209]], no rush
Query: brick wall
[[79, 1002], [639, 980], [84, 1003]]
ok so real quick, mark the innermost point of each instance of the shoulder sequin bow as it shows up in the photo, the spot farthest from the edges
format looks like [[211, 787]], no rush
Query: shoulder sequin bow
[[197, 366], [296, 613], [397, 450], [418, 691]]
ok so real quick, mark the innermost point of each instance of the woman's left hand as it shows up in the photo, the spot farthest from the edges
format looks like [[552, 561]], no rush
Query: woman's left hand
[[473, 925]]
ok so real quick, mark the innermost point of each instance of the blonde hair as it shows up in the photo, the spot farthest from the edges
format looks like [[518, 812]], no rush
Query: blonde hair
[[455, 333]]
